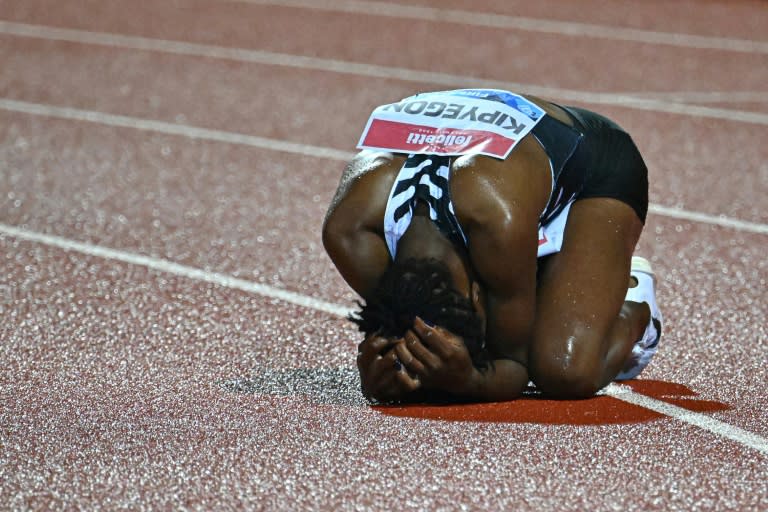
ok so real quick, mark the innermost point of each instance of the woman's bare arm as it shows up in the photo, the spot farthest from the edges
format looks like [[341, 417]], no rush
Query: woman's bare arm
[[353, 229]]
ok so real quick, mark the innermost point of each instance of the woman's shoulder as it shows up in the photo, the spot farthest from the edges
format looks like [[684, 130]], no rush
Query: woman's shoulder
[[366, 163], [372, 165], [486, 189], [366, 182]]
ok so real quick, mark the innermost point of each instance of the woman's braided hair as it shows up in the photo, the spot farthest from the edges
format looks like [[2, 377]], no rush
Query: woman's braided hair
[[421, 287]]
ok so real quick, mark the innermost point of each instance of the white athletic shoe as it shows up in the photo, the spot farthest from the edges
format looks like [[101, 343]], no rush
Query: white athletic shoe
[[645, 291]]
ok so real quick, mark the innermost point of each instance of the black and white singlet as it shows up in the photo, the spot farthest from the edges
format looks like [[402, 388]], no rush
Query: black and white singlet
[[426, 178]]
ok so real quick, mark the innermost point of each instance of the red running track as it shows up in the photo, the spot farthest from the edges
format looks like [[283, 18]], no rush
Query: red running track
[[173, 334]]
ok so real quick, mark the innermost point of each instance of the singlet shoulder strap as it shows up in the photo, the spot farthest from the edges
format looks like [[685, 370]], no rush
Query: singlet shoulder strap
[[560, 142]]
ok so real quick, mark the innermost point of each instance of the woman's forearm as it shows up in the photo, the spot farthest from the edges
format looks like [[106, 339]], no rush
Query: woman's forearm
[[504, 380]]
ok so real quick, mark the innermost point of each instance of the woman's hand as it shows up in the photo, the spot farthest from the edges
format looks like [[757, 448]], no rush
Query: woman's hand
[[382, 374], [438, 358]]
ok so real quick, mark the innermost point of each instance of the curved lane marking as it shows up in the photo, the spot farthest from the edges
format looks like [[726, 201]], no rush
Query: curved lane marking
[[618, 391], [505, 21], [194, 132], [176, 269], [717, 427], [371, 70]]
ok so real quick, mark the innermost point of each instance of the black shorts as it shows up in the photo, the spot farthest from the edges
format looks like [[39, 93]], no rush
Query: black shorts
[[612, 162]]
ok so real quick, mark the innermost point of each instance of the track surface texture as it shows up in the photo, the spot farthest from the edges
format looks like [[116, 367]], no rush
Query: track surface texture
[[173, 335]]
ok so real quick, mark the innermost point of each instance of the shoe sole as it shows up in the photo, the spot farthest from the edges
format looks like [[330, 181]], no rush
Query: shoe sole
[[640, 264]]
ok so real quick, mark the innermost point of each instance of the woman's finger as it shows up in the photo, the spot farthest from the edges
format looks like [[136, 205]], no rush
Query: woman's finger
[[409, 360], [439, 343], [371, 348], [391, 381], [407, 383], [423, 354]]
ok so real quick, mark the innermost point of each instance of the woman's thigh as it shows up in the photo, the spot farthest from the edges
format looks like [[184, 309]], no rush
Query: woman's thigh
[[580, 293]]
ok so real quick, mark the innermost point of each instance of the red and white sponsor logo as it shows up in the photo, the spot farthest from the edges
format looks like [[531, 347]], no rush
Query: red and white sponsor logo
[[412, 138]]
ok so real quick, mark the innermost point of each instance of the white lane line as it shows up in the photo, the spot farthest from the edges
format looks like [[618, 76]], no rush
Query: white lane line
[[716, 220], [175, 269], [194, 132], [717, 427], [705, 96], [617, 391], [502, 21], [370, 70]]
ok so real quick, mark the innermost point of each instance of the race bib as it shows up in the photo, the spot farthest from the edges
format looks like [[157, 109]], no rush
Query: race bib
[[461, 122]]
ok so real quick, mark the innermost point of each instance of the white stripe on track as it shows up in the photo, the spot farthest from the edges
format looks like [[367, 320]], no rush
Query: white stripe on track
[[716, 220], [617, 391], [626, 394], [371, 70], [175, 269], [503, 21], [705, 96], [92, 116]]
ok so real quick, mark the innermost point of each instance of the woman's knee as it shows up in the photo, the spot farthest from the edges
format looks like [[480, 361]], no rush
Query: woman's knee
[[568, 372]]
